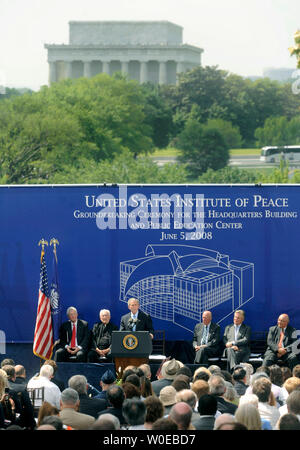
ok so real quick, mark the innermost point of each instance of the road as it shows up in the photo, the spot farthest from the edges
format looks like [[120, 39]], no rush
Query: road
[[247, 161]]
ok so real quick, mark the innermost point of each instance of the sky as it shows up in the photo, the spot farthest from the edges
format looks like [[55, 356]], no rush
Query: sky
[[240, 36]]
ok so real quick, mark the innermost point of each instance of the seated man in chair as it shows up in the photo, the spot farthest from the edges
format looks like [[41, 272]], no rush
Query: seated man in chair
[[73, 339], [237, 340]]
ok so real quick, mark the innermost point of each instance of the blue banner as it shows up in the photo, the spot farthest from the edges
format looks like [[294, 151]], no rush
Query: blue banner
[[179, 249]]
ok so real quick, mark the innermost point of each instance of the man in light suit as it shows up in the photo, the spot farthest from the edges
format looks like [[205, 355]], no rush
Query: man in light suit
[[69, 405], [74, 338], [237, 340], [206, 339], [136, 320], [281, 345]]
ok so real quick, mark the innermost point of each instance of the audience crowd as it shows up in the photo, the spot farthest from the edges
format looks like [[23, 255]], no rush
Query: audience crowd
[[267, 398]]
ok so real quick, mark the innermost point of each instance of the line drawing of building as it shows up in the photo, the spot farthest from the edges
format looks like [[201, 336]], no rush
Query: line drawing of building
[[178, 282]]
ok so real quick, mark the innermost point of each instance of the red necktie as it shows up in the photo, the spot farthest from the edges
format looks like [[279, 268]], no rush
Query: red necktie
[[281, 339], [73, 340]]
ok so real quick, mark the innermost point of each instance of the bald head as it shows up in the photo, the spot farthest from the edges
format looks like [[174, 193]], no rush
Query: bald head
[[181, 413], [283, 320], [222, 419]]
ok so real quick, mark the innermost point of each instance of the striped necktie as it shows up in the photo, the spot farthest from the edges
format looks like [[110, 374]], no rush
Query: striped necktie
[[204, 337]]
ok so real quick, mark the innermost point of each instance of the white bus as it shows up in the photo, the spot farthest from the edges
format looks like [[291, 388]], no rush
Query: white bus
[[275, 154]]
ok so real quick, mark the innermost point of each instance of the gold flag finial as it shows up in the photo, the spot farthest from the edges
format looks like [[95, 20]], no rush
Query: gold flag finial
[[43, 242], [55, 242]]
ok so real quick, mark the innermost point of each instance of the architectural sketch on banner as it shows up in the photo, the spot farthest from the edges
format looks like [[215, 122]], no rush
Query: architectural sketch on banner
[[177, 283]]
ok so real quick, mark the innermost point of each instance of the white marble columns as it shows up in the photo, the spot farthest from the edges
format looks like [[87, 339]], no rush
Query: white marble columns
[[161, 75]]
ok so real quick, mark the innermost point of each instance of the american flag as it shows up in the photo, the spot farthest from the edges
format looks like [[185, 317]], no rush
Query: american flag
[[43, 333]]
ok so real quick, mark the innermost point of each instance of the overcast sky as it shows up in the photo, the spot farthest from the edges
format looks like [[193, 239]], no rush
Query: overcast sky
[[241, 36]]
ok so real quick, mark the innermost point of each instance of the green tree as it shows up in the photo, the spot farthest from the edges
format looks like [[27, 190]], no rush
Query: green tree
[[279, 131], [230, 133], [97, 118], [228, 175], [124, 168], [202, 147]]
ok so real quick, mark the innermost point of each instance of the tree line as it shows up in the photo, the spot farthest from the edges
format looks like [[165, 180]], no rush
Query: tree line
[[102, 129]]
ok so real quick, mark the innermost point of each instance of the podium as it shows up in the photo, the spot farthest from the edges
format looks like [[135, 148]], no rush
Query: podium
[[130, 348]]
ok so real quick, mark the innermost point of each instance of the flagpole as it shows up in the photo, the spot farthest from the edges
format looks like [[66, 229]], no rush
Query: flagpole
[[55, 296], [43, 333]]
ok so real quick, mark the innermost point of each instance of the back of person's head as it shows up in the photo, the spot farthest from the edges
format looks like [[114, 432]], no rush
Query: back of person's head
[[249, 416], [3, 383], [276, 375], [7, 362], [293, 402], [201, 376], [46, 371], [79, 383], [217, 385], [146, 370], [207, 405], [126, 373], [286, 373], [115, 396], [46, 410], [187, 396], [55, 421], [296, 371], [222, 420], [154, 409], [69, 397], [200, 387], [249, 371], [185, 370], [52, 363], [10, 371], [130, 390], [181, 382], [230, 393], [20, 370], [202, 373], [239, 374], [166, 423], [249, 398], [291, 384], [134, 411], [227, 376], [262, 388], [133, 379], [214, 369], [264, 369], [106, 422], [288, 422], [181, 413], [146, 387]]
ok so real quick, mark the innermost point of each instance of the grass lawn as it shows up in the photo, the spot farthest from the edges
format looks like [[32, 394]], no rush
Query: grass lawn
[[173, 152]]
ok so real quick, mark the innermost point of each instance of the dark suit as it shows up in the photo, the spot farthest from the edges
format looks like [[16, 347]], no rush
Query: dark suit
[[212, 347], [224, 406], [101, 338], [242, 342], [144, 322], [271, 357], [65, 335], [204, 423], [91, 406]]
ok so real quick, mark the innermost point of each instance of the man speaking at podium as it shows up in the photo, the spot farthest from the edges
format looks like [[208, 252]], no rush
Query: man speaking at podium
[[136, 320]]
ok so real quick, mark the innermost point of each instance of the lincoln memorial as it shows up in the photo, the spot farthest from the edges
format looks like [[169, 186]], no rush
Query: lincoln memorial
[[145, 51]]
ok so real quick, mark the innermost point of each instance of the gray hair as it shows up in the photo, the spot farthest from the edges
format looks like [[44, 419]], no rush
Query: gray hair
[[69, 397], [217, 385], [46, 371], [78, 383], [71, 308], [230, 393], [187, 396], [105, 421], [104, 311]]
